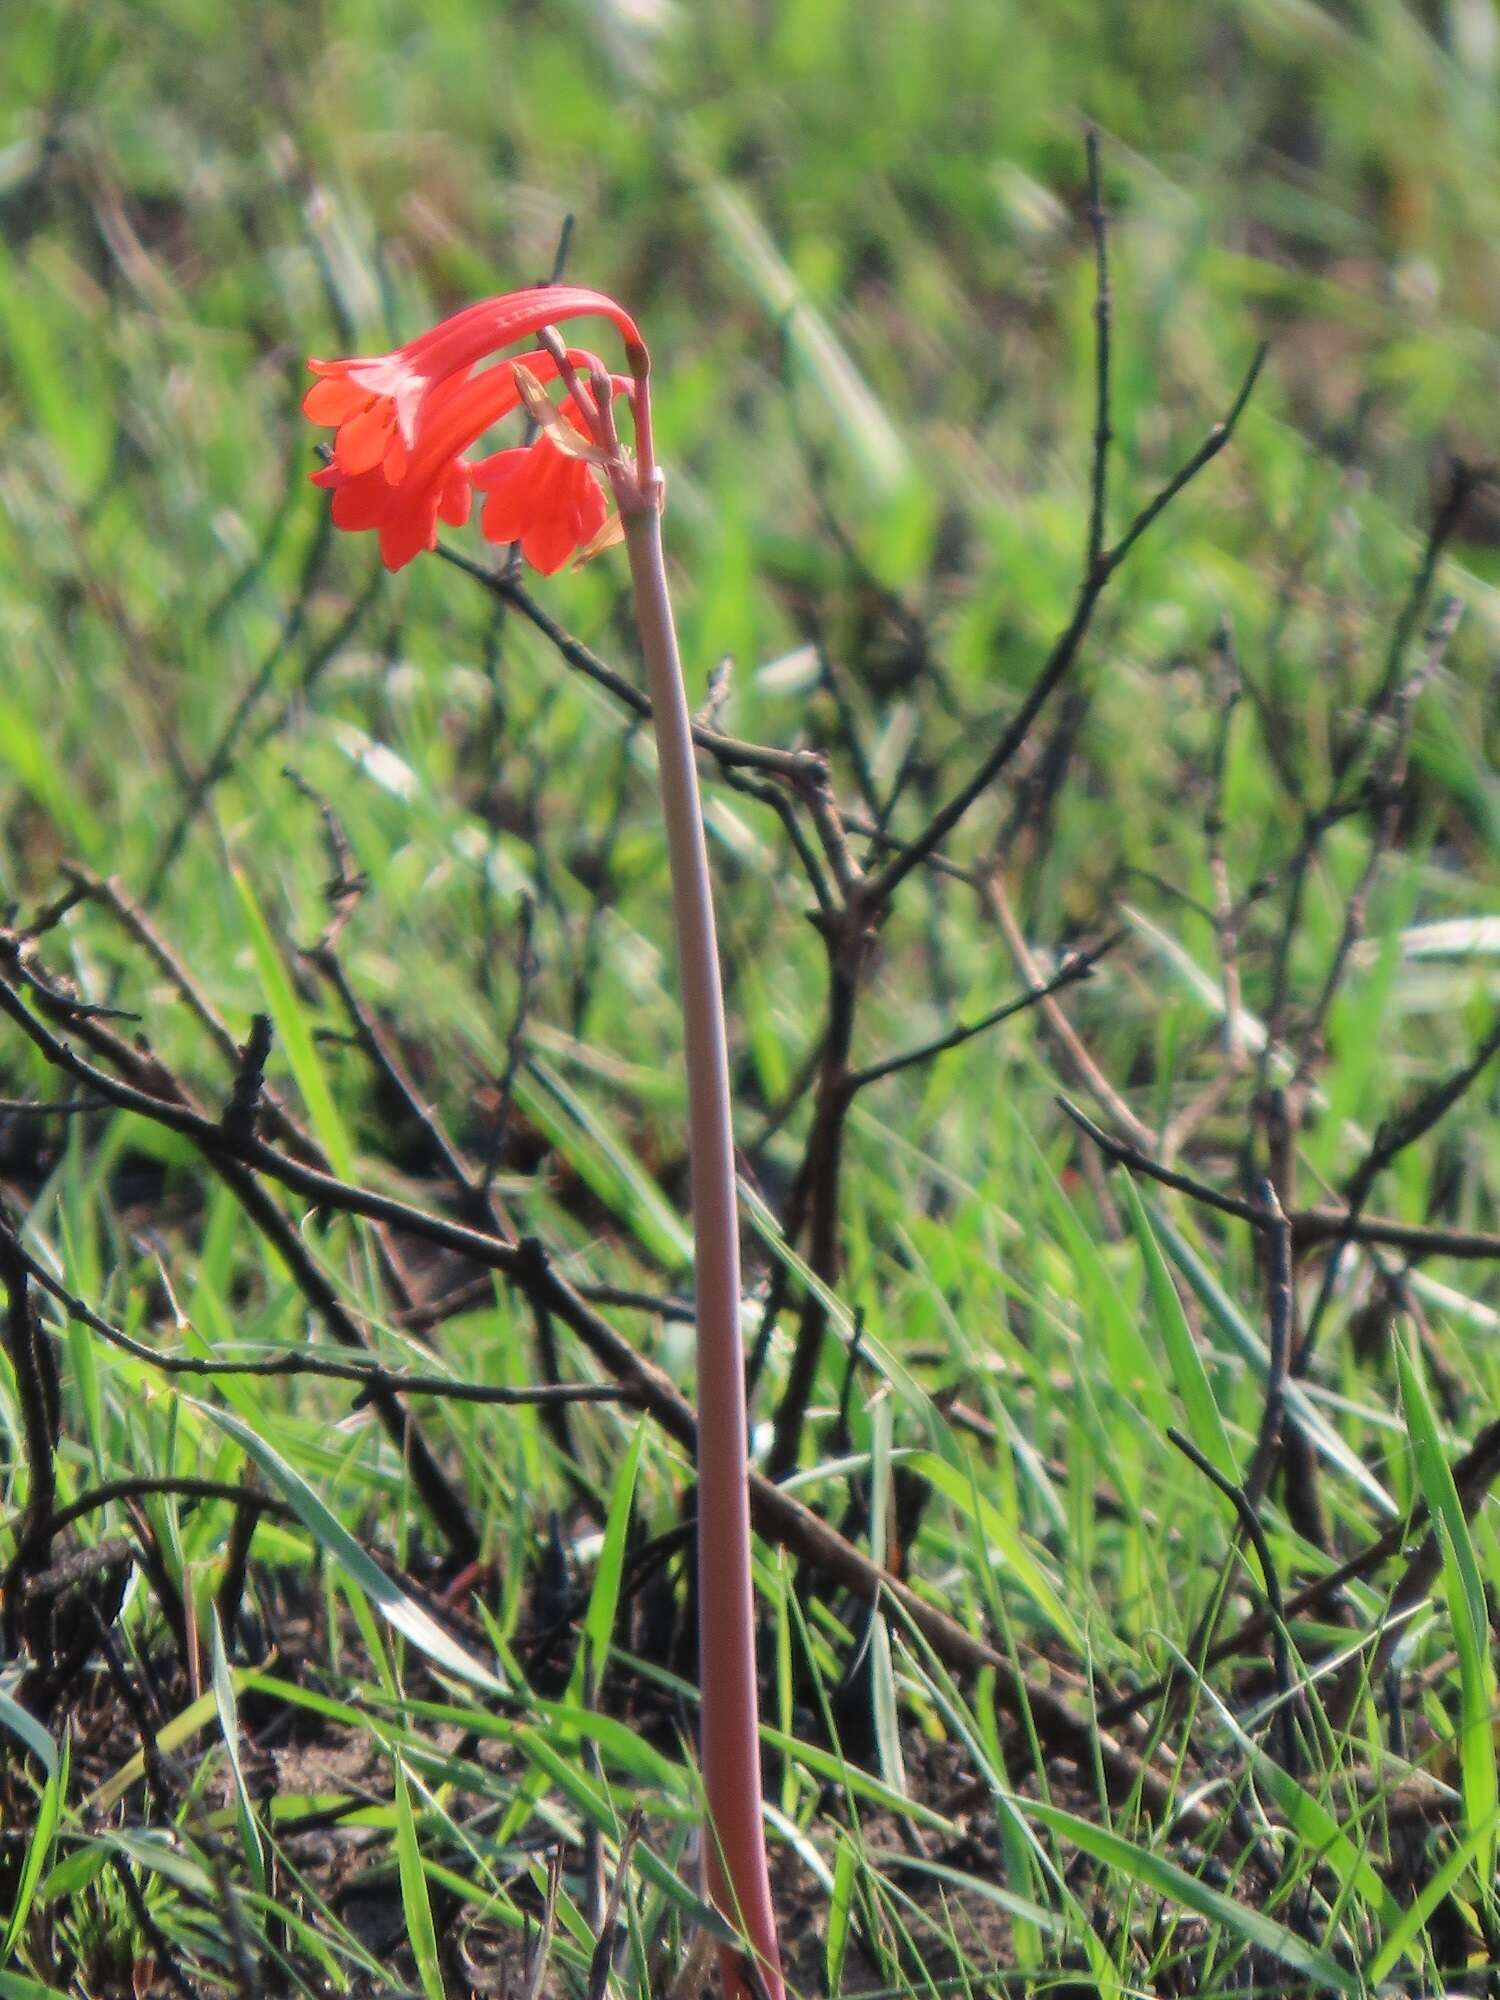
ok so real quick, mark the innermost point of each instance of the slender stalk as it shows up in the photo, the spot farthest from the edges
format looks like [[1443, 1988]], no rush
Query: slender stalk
[[739, 1882]]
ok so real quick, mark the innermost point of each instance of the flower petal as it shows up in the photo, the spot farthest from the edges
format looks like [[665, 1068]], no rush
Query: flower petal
[[500, 469], [408, 534], [590, 509], [503, 517], [456, 499], [547, 544], [394, 464], [361, 442], [363, 502], [333, 399], [409, 393], [549, 501]]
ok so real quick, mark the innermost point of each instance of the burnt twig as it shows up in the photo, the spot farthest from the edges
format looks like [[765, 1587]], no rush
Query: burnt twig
[[1075, 966], [242, 1113], [1065, 650], [37, 1392], [777, 1514]]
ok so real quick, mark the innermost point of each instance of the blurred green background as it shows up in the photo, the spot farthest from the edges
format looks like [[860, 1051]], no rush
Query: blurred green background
[[855, 237]]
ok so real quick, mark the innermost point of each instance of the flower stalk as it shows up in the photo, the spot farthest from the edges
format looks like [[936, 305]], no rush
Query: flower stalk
[[738, 1880]]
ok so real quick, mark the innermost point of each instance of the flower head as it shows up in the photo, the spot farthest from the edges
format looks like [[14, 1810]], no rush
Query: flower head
[[432, 483], [403, 422], [366, 421], [376, 400]]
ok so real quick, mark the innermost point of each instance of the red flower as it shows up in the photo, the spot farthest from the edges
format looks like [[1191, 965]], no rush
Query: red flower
[[376, 401], [406, 516], [404, 421], [367, 433], [543, 497], [433, 481]]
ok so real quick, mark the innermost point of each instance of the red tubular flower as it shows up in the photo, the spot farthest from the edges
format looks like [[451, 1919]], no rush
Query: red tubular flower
[[406, 517], [543, 498], [376, 401], [433, 480]]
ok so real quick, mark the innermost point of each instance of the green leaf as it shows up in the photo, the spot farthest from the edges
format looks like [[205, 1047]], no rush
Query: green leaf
[[400, 1611], [38, 1848], [222, 1683], [1315, 1825], [1132, 1367], [416, 1904], [16, 1986], [1204, 1424], [290, 1021], [157, 1852], [757, 1216], [1164, 1878], [1243, 1337], [1405, 1934], [883, 1677], [604, 1597], [836, 1770], [608, 1166], [1466, 1602], [1019, 1566], [17, 1720], [836, 1939], [598, 1807]]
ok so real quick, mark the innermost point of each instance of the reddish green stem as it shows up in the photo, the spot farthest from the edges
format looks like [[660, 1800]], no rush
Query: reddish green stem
[[739, 1882]]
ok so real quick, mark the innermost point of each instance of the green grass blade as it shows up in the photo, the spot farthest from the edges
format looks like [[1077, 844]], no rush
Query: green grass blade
[[222, 1682], [1243, 1337], [25, 1725], [16, 1986], [400, 1611], [1019, 1565], [1466, 1603], [38, 1848], [836, 1938], [1160, 1877], [416, 1904], [1406, 1935], [604, 1597], [1131, 1365], [289, 1018], [1204, 1424]]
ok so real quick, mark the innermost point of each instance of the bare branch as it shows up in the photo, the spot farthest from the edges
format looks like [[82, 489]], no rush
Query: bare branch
[[1076, 966]]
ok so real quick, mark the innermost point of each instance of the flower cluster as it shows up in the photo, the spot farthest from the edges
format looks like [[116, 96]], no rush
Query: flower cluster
[[405, 422]]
